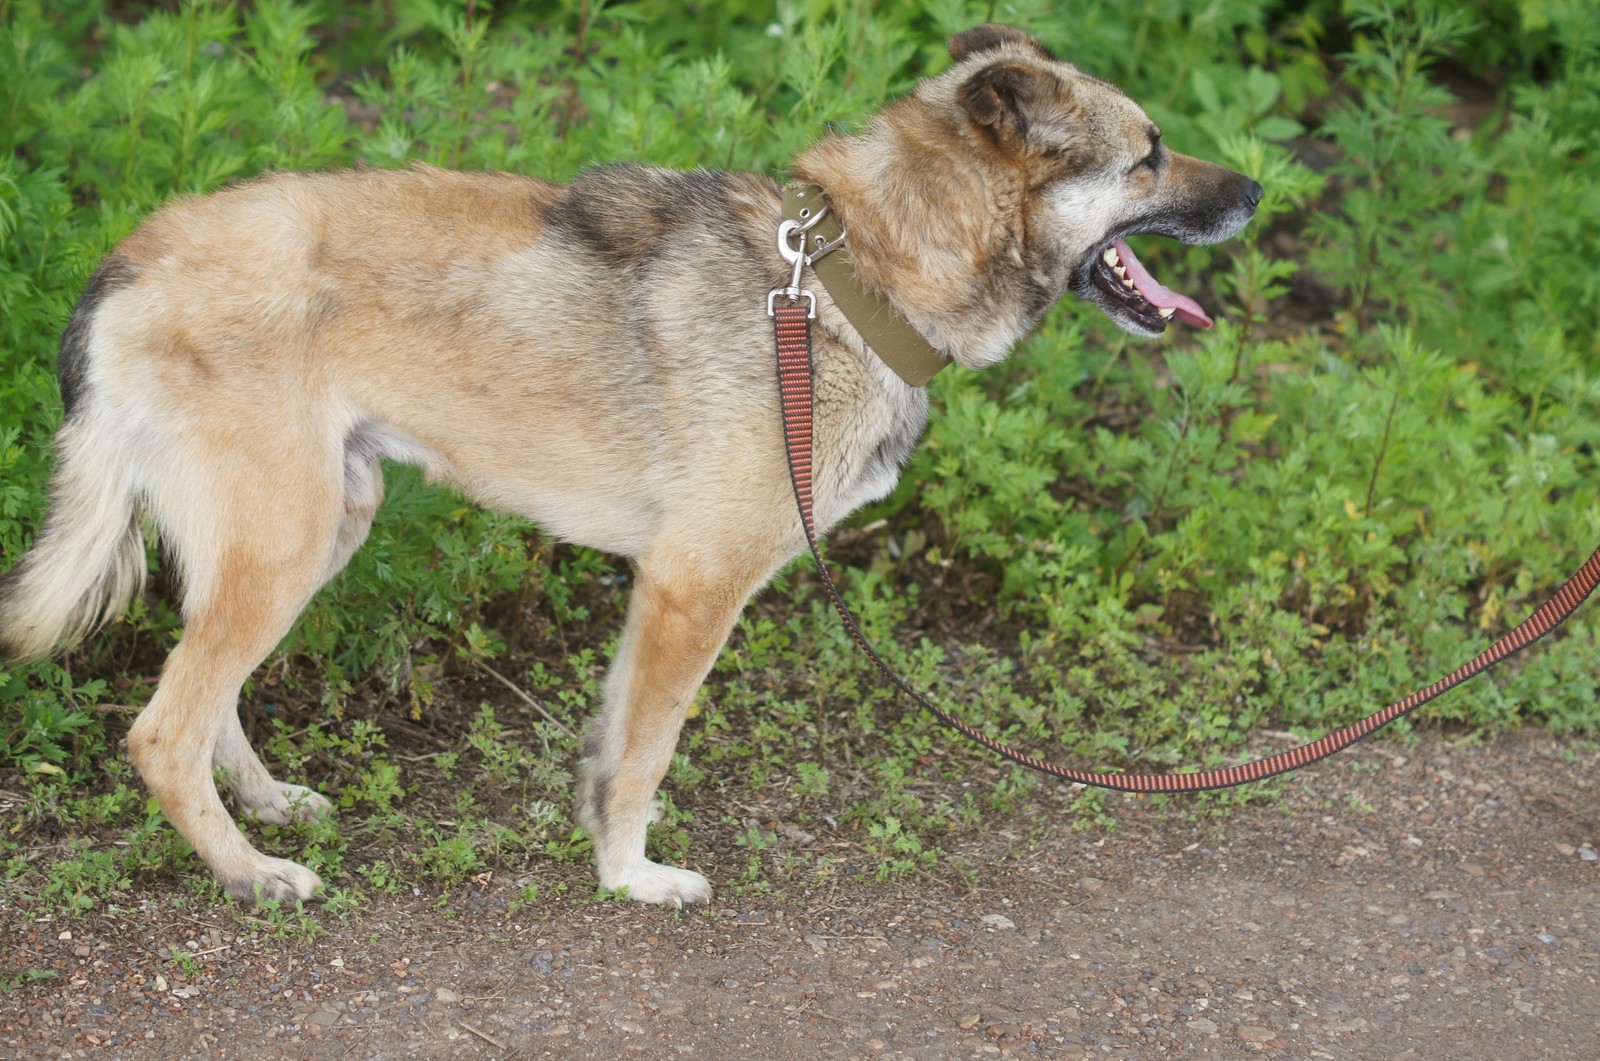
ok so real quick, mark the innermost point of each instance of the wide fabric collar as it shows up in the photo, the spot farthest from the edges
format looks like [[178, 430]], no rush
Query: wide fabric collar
[[881, 326]]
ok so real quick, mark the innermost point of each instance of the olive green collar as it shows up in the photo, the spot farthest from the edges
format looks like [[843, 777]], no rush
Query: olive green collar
[[890, 335]]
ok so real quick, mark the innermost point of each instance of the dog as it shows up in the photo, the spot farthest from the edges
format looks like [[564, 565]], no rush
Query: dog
[[595, 357]]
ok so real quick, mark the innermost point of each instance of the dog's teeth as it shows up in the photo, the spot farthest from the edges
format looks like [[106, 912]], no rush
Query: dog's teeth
[[1127, 283], [1110, 256], [1166, 312], [1122, 274]]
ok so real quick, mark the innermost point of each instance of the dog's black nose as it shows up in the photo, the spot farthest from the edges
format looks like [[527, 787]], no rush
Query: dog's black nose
[[1253, 192]]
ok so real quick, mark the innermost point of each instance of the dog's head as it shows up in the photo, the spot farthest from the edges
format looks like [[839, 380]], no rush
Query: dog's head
[[1010, 179], [1097, 172]]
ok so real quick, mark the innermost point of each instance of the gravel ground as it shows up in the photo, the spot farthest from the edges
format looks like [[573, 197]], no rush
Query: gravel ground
[[1431, 901]]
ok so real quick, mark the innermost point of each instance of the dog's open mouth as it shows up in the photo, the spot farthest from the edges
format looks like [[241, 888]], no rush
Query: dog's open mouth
[[1119, 273]]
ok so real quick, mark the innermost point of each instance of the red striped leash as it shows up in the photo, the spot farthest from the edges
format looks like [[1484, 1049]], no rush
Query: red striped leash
[[792, 309]]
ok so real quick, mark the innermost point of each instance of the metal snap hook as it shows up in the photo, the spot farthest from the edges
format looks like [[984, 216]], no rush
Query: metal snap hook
[[792, 245]]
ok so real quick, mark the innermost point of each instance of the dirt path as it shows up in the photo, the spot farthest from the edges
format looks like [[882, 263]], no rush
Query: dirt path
[[1431, 902]]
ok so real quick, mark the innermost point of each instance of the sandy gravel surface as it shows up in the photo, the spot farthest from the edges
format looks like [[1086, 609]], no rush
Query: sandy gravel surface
[[1433, 901]]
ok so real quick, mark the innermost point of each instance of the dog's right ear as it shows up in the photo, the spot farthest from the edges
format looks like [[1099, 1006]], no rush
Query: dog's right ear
[[990, 36]]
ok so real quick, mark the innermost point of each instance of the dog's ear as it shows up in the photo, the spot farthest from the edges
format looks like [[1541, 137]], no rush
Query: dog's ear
[[1011, 101], [990, 36]]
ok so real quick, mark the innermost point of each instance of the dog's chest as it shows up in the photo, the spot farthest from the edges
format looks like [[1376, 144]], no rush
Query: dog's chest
[[867, 427]]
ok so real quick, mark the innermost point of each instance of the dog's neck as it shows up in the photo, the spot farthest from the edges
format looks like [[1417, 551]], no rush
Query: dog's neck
[[924, 236], [885, 331]]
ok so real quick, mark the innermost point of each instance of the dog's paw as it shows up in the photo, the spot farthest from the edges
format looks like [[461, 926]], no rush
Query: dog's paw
[[287, 803], [275, 878], [650, 882]]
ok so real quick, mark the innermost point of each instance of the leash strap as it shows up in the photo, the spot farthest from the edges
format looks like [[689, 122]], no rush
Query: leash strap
[[793, 332]]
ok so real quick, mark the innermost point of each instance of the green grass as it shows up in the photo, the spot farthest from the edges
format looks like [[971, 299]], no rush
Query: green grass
[[1120, 553]]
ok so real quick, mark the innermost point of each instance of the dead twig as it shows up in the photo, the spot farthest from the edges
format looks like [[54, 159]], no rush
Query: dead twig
[[523, 696], [485, 1036]]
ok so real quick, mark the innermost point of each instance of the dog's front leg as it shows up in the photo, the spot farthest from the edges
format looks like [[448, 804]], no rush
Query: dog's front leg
[[677, 622]]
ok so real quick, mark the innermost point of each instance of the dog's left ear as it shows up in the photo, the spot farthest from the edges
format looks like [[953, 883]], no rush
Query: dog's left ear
[[1013, 101], [990, 36]]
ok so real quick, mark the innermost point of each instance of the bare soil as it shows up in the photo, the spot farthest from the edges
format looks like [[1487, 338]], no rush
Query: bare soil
[[1424, 901]]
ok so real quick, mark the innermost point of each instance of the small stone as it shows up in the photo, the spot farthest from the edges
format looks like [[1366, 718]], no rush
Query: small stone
[[1255, 1033], [1000, 921], [444, 994], [1588, 854], [1566, 849], [968, 1023], [1203, 1025], [1091, 885]]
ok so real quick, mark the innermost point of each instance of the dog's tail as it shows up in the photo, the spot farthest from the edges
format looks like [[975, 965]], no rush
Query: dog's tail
[[88, 560]]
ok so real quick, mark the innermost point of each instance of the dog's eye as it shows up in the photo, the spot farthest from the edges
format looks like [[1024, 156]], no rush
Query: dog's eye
[[1157, 154]]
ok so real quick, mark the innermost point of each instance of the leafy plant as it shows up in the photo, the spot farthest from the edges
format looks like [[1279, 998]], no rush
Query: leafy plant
[[1118, 553]]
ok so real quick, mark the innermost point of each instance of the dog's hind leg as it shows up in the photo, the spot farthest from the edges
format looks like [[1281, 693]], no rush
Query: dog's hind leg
[[678, 619], [253, 541], [258, 793], [256, 790]]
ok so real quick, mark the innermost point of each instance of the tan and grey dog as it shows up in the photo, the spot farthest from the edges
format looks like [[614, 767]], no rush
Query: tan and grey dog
[[596, 357]]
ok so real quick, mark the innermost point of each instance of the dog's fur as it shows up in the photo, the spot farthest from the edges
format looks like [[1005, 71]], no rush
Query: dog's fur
[[595, 357]]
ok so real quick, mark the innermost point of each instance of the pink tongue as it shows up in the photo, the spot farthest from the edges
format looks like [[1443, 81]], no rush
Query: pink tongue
[[1186, 308]]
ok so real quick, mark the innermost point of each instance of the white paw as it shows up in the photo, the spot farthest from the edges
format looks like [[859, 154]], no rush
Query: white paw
[[286, 803], [650, 882], [275, 878]]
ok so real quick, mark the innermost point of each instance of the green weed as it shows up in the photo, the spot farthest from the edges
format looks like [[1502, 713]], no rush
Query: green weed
[[10, 982], [1121, 554]]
